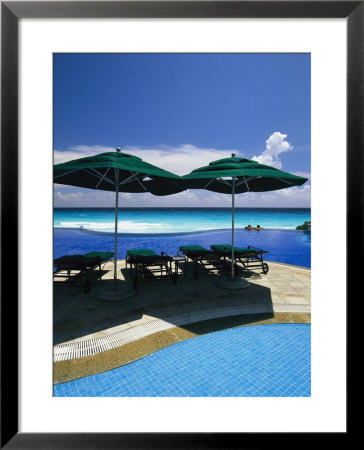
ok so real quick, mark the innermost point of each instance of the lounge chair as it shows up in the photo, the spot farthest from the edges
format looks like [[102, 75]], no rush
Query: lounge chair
[[201, 257], [150, 265], [250, 257], [71, 267]]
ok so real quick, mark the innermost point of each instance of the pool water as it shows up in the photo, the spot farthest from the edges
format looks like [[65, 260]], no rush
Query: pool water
[[286, 246], [255, 361]]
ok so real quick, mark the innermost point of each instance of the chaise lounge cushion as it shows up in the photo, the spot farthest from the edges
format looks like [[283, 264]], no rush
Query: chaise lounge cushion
[[146, 256], [90, 259], [141, 252], [194, 250], [226, 249], [104, 256], [75, 260]]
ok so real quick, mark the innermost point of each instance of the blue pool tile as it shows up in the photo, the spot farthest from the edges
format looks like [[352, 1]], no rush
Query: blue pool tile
[[256, 361]]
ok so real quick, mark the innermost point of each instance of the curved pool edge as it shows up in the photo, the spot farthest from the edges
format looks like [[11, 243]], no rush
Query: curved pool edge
[[288, 265], [169, 233], [72, 369]]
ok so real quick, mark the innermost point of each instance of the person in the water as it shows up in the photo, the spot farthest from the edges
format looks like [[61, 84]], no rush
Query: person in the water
[[249, 227]]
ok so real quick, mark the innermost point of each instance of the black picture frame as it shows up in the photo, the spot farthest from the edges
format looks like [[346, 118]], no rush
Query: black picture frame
[[11, 12]]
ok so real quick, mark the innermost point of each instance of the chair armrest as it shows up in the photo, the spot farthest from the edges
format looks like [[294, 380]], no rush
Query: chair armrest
[[256, 248]]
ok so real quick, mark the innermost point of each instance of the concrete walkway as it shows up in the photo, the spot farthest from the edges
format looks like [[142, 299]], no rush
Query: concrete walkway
[[85, 325]]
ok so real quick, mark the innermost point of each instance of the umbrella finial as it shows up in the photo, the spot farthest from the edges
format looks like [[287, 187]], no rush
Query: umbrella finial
[[233, 154], [118, 149]]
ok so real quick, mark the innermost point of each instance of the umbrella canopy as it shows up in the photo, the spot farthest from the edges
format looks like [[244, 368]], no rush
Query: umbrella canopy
[[118, 172], [249, 176], [237, 175]]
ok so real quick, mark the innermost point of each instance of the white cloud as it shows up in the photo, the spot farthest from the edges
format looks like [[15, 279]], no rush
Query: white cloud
[[302, 174], [291, 197], [68, 196], [275, 145], [79, 151], [125, 195], [71, 197], [181, 160]]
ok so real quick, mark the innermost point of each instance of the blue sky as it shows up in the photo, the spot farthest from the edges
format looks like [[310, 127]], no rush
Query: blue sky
[[181, 111]]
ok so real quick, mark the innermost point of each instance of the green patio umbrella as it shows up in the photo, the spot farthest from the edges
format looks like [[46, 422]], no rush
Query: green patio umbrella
[[237, 175], [117, 172]]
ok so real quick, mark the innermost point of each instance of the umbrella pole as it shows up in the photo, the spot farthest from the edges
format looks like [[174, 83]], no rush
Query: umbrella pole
[[116, 290], [232, 229], [116, 222]]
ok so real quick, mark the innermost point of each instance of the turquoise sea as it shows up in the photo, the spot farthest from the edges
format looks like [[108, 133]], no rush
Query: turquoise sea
[[177, 220], [78, 231]]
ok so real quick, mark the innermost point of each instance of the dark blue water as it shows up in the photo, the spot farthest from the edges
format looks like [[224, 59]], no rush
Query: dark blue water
[[254, 361], [287, 246]]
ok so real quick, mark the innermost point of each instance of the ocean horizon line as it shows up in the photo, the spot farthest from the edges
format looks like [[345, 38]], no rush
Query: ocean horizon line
[[187, 207], [177, 233]]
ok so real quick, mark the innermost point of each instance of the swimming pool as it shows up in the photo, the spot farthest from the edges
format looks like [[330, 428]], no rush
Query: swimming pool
[[255, 361], [286, 246]]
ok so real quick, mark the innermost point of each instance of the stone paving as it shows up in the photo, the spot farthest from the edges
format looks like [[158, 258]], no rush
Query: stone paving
[[79, 316]]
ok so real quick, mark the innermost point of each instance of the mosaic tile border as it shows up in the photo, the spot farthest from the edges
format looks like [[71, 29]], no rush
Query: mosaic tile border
[[73, 350]]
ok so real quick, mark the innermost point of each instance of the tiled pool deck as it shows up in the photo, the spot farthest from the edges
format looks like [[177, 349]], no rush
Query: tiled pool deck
[[92, 335], [265, 361]]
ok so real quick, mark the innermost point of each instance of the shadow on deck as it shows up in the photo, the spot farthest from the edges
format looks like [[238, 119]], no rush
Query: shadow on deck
[[78, 315]]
